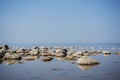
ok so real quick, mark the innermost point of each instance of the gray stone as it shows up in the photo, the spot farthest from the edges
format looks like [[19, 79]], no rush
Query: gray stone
[[85, 60]]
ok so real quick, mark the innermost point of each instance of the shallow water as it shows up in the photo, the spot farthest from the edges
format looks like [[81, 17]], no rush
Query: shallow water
[[60, 69], [108, 69]]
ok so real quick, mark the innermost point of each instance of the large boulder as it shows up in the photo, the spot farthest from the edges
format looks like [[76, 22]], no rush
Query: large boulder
[[85, 60], [11, 56]]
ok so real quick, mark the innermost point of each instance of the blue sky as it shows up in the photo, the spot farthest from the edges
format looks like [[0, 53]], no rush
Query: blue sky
[[59, 21]]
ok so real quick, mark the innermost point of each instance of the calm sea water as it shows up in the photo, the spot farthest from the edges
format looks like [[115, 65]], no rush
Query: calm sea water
[[108, 69]]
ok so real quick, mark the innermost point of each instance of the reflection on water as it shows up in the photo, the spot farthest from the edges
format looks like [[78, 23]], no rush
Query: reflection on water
[[33, 68], [106, 54], [86, 67], [1, 61], [61, 68]]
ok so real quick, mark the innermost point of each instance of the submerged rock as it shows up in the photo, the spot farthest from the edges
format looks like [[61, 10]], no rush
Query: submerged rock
[[48, 58], [85, 60], [10, 62], [55, 69], [29, 58], [69, 58]]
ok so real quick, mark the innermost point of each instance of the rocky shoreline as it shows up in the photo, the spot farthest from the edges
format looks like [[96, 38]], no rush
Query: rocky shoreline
[[82, 57]]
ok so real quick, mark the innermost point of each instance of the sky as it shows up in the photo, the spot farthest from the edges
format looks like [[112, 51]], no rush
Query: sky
[[59, 21]]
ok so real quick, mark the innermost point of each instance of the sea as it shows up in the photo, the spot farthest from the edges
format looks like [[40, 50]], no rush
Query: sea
[[61, 69]]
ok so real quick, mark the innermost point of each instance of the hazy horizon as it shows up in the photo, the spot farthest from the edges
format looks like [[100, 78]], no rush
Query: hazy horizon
[[59, 21]]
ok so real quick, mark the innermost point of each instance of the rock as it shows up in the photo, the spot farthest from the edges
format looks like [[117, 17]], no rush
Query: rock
[[86, 54], [20, 50], [2, 54], [44, 50], [80, 53], [10, 62], [70, 53], [69, 58], [29, 58], [60, 50], [55, 69], [34, 52], [117, 53], [11, 56], [44, 54], [48, 58], [85, 60], [60, 55], [4, 47], [106, 52]]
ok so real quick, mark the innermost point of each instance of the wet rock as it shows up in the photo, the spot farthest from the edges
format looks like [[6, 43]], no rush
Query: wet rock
[[85, 60], [80, 53], [69, 58], [2, 54], [11, 56], [34, 52], [60, 54], [86, 54], [60, 50], [48, 58], [29, 58], [10, 62], [117, 53], [106, 52], [44, 50], [70, 53], [4, 47]]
